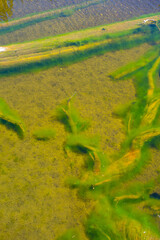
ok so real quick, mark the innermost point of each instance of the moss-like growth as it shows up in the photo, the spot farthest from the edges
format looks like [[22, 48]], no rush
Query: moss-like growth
[[70, 234], [44, 134], [83, 144], [7, 115], [140, 63], [120, 209], [68, 115], [119, 217]]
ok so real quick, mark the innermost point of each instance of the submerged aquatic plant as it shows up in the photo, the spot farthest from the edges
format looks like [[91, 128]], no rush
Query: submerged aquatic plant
[[83, 48], [148, 57], [68, 115], [7, 115], [77, 141], [89, 146], [118, 202], [44, 134], [70, 234], [124, 208]]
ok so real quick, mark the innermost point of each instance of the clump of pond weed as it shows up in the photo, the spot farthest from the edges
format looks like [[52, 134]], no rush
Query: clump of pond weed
[[131, 67], [123, 207], [68, 115], [70, 234], [44, 134], [76, 141], [10, 118]]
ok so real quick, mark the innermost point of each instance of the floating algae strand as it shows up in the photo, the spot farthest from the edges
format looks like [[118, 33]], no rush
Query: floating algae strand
[[150, 111], [151, 76], [140, 63]]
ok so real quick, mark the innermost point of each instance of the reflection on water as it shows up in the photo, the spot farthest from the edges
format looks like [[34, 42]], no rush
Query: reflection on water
[[121, 9], [72, 15], [10, 9], [6, 9]]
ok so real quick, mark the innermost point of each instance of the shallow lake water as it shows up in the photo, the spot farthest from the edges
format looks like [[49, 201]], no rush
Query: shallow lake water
[[35, 201]]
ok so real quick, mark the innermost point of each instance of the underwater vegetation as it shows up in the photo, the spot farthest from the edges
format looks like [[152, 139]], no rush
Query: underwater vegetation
[[68, 115], [125, 209], [76, 141], [140, 63], [70, 234], [44, 134], [7, 115], [48, 52], [122, 208]]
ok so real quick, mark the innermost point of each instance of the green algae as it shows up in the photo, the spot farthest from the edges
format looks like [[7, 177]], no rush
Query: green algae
[[82, 144], [145, 68], [68, 115], [95, 39], [10, 116], [44, 134], [131, 67], [106, 221], [70, 234], [67, 59], [43, 206], [103, 224], [82, 50], [98, 227], [116, 214]]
